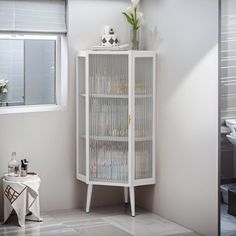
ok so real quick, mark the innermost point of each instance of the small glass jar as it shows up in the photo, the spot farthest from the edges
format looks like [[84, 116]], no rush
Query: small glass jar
[[24, 167]]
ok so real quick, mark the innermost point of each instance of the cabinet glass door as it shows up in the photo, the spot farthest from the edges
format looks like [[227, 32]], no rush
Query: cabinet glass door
[[143, 117], [108, 118]]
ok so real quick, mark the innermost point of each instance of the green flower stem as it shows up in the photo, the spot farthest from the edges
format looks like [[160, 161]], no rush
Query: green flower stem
[[132, 20]]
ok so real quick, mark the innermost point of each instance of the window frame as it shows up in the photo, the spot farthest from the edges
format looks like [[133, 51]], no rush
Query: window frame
[[61, 74]]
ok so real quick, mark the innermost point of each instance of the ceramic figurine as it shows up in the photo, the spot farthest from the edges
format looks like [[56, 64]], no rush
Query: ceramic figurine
[[109, 38]]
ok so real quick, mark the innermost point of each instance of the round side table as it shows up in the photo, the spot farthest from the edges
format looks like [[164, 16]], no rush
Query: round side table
[[22, 195]]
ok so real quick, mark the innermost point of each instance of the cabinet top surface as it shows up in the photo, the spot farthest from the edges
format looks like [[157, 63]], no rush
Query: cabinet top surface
[[84, 53]]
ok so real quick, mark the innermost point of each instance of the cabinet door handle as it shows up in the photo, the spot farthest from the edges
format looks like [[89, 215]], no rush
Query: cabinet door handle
[[129, 120]]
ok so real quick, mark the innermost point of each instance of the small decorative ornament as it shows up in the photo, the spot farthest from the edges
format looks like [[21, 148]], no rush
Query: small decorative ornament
[[135, 19], [109, 38]]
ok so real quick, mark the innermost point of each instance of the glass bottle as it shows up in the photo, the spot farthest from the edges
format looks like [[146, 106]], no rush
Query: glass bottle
[[134, 35], [13, 165]]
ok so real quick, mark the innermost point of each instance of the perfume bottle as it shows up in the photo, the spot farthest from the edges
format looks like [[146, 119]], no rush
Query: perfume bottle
[[13, 165]]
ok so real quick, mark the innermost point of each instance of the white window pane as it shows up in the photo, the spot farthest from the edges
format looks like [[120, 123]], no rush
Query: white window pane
[[12, 69], [39, 72]]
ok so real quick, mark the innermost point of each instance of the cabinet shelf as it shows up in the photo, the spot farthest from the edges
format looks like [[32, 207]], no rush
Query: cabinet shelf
[[116, 96], [108, 180], [117, 139]]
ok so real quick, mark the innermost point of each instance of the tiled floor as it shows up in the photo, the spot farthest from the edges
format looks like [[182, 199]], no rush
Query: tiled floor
[[112, 221], [228, 222]]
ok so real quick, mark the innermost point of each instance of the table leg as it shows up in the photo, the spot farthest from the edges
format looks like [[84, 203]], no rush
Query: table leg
[[89, 196], [126, 195], [132, 200]]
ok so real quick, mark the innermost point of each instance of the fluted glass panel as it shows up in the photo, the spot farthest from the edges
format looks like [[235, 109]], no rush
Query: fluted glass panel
[[143, 117], [108, 118], [81, 116]]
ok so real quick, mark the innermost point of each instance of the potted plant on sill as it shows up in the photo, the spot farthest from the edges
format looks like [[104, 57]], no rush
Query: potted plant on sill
[[3, 92]]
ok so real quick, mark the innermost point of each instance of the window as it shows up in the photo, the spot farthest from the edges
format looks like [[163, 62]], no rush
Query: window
[[33, 55], [28, 65]]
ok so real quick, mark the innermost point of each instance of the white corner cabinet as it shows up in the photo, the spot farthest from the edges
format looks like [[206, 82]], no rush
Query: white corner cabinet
[[116, 120]]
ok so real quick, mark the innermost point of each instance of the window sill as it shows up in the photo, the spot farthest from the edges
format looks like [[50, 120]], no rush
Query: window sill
[[30, 109]]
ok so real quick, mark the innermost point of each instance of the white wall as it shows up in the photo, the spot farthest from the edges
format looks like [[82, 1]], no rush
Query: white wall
[[185, 34], [48, 139], [87, 18]]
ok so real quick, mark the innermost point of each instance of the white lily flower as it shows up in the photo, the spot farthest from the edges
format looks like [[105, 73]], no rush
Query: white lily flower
[[3, 86], [139, 15], [141, 22], [135, 2], [134, 17], [129, 10]]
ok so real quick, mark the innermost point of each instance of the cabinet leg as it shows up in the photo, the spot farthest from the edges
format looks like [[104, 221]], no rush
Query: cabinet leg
[[132, 200], [126, 195], [89, 196]]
